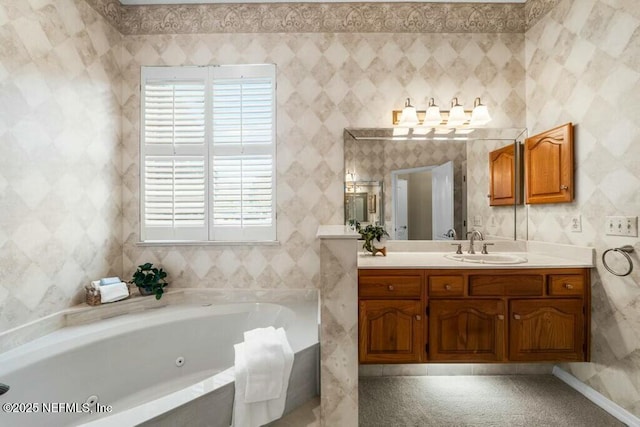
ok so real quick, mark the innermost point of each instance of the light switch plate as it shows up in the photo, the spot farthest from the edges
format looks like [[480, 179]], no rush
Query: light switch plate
[[477, 221], [622, 226]]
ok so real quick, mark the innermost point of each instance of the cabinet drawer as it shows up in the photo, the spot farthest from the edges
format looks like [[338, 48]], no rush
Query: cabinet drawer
[[510, 285], [566, 284], [389, 286], [446, 286]]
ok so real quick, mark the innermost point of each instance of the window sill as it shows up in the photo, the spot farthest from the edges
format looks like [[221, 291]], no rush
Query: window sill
[[207, 243]]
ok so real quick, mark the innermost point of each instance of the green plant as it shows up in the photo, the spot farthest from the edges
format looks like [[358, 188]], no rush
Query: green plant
[[369, 233], [151, 279]]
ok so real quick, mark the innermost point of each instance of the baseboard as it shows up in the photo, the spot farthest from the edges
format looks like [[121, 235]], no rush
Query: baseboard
[[612, 408]]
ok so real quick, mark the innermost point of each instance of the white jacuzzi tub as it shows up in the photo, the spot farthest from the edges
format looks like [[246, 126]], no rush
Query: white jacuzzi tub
[[142, 364]]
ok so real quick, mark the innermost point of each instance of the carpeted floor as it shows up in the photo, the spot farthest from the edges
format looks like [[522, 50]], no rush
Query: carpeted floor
[[505, 400]]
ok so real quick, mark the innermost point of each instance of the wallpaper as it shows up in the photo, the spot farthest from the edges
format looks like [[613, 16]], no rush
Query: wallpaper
[[583, 59], [418, 17], [60, 179]]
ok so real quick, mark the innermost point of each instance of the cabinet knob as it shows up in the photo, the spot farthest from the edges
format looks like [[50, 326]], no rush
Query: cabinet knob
[[564, 187], [500, 316], [418, 317], [447, 287], [516, 316], [568, 286], [390, 287]]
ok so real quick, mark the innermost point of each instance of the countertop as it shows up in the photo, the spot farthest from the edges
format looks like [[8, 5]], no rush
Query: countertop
[[437, 260], [432, 255]]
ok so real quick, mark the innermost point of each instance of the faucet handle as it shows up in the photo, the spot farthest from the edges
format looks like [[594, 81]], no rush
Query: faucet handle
[[459, 245], [484, 247]]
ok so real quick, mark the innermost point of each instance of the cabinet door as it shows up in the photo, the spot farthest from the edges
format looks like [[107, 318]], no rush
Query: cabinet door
[[502, 176], [549, 166], [466, 330], [391, 331], [546, 330]]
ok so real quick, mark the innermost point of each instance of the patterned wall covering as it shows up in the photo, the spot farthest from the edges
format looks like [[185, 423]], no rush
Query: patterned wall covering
[[326, 82], [583, 66], [60, 218], [317, 17]]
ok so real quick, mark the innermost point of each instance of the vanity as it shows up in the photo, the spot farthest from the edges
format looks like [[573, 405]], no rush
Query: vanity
[[428, 306]]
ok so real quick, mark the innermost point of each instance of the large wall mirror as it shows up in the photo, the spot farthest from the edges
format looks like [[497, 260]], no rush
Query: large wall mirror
[[436, 186]]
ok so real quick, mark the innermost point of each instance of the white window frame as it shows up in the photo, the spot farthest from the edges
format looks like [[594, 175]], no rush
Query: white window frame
[[208, 232]]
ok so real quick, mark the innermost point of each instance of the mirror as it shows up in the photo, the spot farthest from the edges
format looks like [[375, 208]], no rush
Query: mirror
[[436, 185]]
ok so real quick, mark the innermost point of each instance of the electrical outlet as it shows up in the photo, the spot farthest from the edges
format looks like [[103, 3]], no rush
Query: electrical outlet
[[477, 221], [576, 224], [622, 226]]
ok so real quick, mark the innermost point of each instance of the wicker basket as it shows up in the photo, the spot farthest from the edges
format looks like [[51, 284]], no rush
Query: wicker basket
[[93, 295]]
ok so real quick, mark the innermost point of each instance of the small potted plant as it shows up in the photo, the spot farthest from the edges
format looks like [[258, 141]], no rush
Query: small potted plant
[[149, 280], [372, 236]]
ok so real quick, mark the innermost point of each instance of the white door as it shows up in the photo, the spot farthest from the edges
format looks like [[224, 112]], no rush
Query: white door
[[442, 200], [401, 217]]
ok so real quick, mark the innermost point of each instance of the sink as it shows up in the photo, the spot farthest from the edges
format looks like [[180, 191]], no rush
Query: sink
[[487, 258]]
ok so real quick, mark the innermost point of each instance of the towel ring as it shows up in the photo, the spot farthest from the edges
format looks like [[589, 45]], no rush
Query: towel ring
[[624, 250]]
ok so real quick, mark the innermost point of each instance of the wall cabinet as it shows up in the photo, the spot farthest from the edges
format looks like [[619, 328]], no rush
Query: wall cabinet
[[548, 159], [527, 315], [502, 176]]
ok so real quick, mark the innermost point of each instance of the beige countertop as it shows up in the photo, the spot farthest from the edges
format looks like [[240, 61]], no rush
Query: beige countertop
[[433, 255]]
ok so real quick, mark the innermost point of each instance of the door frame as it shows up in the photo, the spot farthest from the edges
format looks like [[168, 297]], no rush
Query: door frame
[[394, 195]]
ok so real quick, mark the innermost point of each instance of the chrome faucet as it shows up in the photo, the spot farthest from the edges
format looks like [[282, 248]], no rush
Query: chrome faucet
[[451, 233], [474, 234]]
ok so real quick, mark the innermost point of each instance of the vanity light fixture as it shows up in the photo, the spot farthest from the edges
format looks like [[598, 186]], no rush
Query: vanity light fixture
[[480, 115], [457, 116], [433, 117], [409, 115]]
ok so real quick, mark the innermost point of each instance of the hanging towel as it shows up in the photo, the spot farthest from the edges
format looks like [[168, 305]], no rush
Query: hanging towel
[[114, 292], [258, 413], [265, 362]]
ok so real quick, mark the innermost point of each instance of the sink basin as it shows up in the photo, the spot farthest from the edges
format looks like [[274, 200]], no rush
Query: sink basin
[[487, 258]]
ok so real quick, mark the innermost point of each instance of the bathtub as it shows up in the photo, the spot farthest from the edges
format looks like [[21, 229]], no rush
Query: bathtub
[[169, 364]]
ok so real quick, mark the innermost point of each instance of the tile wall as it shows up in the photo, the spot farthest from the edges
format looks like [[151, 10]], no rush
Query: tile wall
[[583, 66], [60, 178], [326, 82]]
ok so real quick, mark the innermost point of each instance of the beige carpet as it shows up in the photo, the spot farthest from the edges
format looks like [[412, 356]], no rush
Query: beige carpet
[[506, 400]]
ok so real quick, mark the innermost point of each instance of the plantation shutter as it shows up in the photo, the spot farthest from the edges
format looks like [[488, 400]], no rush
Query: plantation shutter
[[173, 154], [207, 158], [242, 162]]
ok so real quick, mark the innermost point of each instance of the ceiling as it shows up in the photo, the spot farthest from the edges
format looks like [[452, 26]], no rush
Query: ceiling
[[147, 2]]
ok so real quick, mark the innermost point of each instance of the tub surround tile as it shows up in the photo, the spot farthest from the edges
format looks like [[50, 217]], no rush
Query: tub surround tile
[[339, 331], [83, 313]]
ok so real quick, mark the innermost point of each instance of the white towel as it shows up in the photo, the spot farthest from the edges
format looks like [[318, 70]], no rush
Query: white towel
[[259, 413], [265, 361], [114, 292]]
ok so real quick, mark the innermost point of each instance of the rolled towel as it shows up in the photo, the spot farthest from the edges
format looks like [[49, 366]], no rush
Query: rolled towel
[[114, 292], [265, 362], [109, 281]]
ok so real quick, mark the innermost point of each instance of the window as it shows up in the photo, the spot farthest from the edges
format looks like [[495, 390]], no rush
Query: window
[[207, 162]]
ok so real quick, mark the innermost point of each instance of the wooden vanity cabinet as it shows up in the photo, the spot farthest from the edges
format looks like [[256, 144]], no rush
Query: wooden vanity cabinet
[[391, 316], [527, 315], [548, 158]]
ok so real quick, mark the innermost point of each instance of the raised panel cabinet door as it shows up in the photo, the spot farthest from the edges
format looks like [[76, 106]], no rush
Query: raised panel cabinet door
[[502, 176], [391, 331], [548, 167], [466, 330], [546, 330]]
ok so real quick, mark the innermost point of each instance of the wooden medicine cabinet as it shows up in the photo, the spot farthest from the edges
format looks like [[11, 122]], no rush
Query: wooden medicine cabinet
[[502, 176], [548, 159]]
